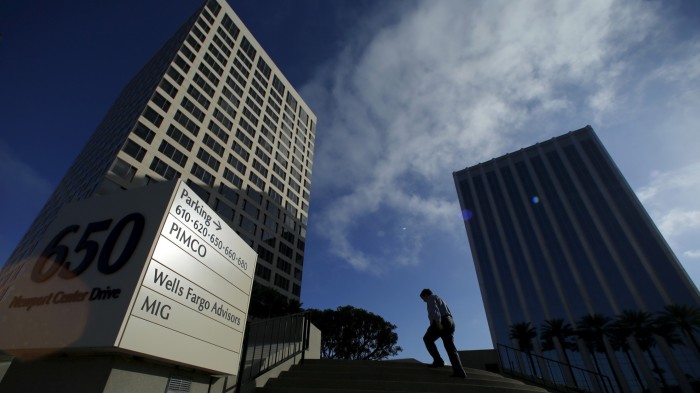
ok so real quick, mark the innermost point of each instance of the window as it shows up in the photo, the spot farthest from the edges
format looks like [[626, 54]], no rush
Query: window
[[187, 52], [182, 63], [261, 79], [168, 88], [213, 64], [236, 164], [186, 122], [227, 93], [248, 128], [243, 138], [193, 43], [267, 134], [247, 113], [192, 108], [214, 7], [218, 131], [208, 159], [284, 266], [234, 179], [264, 68], [173, 153], [234, 86], [263, 272], [122, 169], [224, 210], [260, 168], [230, 26], [143, 132], [198, 96], [204, 85], [223, 119], [278, 183], [278, 85], [291, 101], [219, 56], [245, 62], [247, 225], [152, 116], [257, 86], [248, 48], [202, 174], [203, 25], [196, 31], [228, 192], [241, 151], [261, 154], [164, 169], [279, 171], [265, 254], [227, 108], [296, 289], [175, 74], [253, 106], [209, 74], [225, 48], [251, 210], [281, 282], [214, 145], [179, 137], [255, 179], [134, 150], [266, 145]]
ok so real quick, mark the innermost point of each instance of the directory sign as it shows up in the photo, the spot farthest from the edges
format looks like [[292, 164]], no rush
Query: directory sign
[[196, 289], [152, 271]]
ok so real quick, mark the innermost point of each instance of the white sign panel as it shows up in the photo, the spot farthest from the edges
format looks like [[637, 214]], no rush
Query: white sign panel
[[196, 289], [152, 271]]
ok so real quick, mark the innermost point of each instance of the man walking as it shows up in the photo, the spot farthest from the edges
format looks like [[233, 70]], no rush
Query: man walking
[[441, 326]]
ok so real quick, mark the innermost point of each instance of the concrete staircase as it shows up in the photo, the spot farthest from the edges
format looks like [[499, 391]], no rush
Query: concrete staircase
[[335, 376]]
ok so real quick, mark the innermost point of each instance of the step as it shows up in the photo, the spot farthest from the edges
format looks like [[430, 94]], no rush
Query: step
[[333, 376]]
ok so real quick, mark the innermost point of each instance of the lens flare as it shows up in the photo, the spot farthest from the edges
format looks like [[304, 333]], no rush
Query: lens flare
[[535, 199], [467, 214]]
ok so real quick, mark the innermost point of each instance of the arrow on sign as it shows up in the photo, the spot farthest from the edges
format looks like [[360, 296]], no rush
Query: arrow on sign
[[218, 225]]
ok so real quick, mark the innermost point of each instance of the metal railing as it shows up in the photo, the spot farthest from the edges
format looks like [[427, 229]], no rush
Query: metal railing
[[551, 374], [271, 342]]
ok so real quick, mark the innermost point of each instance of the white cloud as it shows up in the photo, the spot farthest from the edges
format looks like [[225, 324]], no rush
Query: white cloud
[[692, 253], [444, 85]]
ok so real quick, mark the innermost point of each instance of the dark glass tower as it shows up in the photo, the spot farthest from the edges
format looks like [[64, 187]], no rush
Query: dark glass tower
[[557, 237]]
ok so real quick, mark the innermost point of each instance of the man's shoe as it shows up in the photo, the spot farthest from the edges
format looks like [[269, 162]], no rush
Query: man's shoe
[[458, 376], [436, 365]]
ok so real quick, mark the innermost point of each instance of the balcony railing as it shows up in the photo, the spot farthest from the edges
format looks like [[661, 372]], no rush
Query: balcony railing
[[551, 374], [271, 342]]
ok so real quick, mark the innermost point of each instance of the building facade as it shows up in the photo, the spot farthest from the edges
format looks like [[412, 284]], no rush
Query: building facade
[[561, 246], [211, 108]]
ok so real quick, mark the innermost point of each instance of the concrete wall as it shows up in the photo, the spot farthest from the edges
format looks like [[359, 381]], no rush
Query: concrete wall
[[482, 359]]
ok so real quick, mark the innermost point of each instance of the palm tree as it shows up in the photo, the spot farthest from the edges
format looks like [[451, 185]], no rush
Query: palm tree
[[618, 339], [684, 318], [557, 331], [523, 333], [592, 329], [642, 327]]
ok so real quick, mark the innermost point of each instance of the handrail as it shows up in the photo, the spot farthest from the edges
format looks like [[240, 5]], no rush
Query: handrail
[[270, 342], [551, 374]]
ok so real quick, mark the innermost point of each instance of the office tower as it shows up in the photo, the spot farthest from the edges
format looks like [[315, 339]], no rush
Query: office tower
[[557, 235], [210, 108]]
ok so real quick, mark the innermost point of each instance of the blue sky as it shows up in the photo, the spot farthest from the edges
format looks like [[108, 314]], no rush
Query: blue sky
[[406, 92]]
